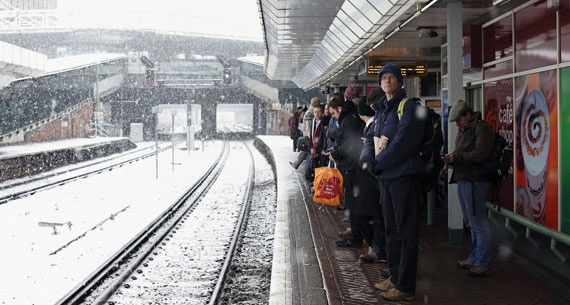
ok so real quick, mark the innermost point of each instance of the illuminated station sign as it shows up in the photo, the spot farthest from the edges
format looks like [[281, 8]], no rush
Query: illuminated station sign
[[408, 70]]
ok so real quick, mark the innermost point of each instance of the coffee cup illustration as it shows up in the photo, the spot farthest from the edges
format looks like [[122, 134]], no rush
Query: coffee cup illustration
[[535, 142], [524, 206]]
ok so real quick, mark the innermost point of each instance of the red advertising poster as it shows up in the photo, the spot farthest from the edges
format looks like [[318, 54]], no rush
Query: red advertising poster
[[536, 149], [498, 111]]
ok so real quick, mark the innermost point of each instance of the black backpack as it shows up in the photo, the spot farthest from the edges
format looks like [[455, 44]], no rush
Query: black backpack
[[497, 167], [500, 160], [303, 144], [432, 143]]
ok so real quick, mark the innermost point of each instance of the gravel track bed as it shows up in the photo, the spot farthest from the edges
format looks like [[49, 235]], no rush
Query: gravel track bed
[[252, 263], [184, 269]]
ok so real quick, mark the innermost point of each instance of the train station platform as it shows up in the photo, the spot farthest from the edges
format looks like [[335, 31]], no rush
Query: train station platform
[[17, 161], [309, 268]]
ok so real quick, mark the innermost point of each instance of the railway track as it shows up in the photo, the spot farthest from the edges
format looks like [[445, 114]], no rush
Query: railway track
[[183, 256], [26, 187]]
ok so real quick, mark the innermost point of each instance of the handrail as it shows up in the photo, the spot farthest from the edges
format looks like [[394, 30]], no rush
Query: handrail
[[105, 130], [555, 236]]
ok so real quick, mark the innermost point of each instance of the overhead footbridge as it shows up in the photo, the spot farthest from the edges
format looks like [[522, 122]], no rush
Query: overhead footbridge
[[17, 62], [58, 97]]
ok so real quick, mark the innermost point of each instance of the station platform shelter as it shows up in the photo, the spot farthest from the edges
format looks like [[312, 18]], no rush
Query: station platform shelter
[[309, 268]]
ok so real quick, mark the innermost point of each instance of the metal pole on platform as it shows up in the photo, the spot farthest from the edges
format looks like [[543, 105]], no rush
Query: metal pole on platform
[[97, 101], [173, 114], [155, 111], [190, 131]]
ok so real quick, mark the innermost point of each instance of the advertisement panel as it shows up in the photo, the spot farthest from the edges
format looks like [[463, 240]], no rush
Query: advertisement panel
[[565, 151], [536, 149], [498, 111]]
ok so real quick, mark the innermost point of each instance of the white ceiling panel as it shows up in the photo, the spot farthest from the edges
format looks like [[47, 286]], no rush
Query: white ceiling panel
[[316, 41]]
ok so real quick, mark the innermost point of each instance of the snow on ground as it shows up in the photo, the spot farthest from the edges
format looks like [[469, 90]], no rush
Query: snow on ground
[[100, 214], [15, 150], [95, 217]]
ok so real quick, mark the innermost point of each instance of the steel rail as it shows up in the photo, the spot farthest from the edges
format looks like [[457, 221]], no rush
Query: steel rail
[[218, 291], [143, 243], [31, 191]]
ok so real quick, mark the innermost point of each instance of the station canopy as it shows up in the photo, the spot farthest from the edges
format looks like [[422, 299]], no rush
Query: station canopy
[[312, 42]]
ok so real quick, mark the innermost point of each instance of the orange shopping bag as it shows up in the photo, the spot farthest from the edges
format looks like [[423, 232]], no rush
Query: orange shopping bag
[[328, 186]]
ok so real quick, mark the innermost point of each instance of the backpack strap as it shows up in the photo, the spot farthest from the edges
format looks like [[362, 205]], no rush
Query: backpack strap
[[401, 108], [403, 102]]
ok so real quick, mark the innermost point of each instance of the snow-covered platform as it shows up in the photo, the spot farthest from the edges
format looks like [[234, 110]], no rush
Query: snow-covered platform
[[17, 161]]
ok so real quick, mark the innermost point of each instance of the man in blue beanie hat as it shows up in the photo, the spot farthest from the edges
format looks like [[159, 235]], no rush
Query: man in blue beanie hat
[[394, 70], [397, 163]]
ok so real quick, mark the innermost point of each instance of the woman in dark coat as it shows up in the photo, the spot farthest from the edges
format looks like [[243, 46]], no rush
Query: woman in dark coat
[[373, 223], [346, 154]]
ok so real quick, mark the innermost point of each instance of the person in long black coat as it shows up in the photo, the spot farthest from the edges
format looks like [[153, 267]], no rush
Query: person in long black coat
[[373, 224], [346, 154]]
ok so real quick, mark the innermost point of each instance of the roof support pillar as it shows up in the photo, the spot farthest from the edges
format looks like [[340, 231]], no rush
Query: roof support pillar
[[455, 92]]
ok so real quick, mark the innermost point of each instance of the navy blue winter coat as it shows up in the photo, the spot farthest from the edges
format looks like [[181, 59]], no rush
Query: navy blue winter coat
[[401, 157]]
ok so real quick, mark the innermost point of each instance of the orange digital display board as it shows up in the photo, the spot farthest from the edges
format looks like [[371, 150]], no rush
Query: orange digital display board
[[408, 69]]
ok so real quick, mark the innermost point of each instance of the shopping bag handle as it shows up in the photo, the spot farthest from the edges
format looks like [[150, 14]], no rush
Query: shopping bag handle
[[334, 163]]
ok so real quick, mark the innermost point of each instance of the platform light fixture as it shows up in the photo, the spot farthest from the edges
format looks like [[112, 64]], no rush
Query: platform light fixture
[[553, 4], [405, 22], [499, 2], [400, 24], [378, 44], [355, 61], [423, 9], [391, 34]]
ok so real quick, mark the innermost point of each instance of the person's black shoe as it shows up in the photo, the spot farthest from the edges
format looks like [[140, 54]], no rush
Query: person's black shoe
[[340, 207], [293, 165], [478, 271], [346, 243]]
